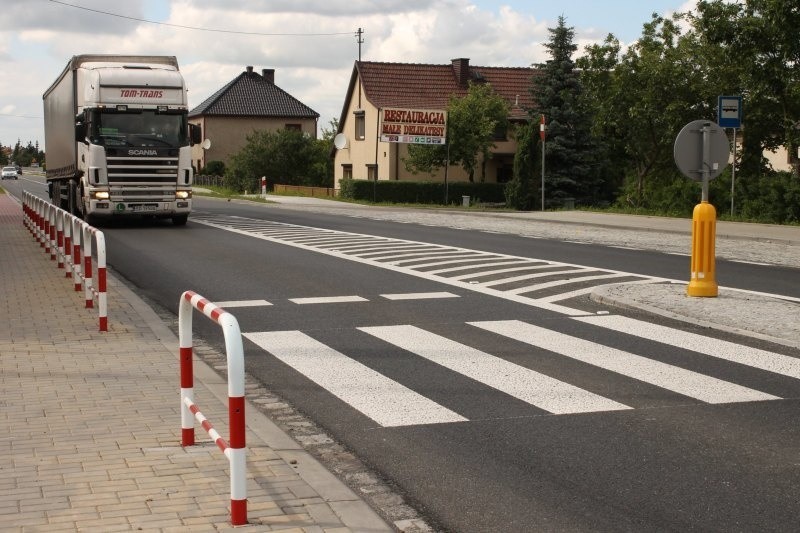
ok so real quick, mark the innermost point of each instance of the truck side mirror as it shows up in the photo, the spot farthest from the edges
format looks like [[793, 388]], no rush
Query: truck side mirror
[[80, 132], [195, 134]]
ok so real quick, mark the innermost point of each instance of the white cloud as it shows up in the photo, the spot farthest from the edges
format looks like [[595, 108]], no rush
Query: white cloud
[[38, 37]]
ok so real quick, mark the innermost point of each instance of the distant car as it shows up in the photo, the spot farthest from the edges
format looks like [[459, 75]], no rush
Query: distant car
[[10, 173]]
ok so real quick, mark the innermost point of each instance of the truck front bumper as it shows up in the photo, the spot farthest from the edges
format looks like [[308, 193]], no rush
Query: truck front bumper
[[134, 208]]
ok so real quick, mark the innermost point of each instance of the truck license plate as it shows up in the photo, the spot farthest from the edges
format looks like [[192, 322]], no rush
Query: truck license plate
[[144, 208]]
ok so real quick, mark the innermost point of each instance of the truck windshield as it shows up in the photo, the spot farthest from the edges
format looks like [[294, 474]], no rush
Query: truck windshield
[[140, 128]]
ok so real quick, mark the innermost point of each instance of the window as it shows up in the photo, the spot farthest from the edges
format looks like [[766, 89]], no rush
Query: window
[[372, 172], [505, 173], [138, 128], [361, 125], [500, 132], [294, 127], [347, 172]]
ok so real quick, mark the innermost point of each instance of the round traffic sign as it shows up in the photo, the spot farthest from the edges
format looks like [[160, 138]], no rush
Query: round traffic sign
[[688, 149]]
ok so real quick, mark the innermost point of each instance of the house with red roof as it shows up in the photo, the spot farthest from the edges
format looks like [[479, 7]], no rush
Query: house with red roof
[[408, 87], [249, 102]]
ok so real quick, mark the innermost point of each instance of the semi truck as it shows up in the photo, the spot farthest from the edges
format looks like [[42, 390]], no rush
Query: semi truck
[[117, 138]]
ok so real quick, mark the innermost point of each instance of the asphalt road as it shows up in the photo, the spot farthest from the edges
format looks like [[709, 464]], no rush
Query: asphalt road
[[436, 392]]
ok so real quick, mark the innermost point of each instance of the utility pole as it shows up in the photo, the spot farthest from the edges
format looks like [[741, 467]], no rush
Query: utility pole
[[360, 41]]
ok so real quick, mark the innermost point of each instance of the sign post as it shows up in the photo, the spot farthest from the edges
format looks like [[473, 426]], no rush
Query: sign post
[[701, 152], [729, 115], [542, 136]]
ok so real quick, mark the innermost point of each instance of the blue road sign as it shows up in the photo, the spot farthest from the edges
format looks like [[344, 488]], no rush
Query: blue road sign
[[729, 111]]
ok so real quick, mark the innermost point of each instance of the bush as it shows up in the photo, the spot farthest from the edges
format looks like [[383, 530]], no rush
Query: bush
[[420, 192], [213, 168]]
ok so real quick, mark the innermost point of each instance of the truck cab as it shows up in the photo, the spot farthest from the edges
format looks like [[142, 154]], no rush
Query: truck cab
[[129, 151]]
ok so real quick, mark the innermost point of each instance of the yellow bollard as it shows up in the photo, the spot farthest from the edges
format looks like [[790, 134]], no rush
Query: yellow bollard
[[704, 230]]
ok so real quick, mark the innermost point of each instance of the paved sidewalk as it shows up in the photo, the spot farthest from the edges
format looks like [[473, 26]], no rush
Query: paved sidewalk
[[92, 440]]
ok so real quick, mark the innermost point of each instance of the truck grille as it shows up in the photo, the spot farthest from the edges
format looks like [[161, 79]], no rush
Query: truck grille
[[142, 171], [142, 178]]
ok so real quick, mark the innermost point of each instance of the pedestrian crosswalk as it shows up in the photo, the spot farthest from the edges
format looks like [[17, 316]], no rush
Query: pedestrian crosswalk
[[676, 379], [363, 382], [536, 282]]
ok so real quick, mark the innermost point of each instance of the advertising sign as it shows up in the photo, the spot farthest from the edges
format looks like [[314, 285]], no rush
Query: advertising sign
[[416, 126]]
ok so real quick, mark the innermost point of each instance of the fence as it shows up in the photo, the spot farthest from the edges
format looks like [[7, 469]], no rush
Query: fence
[[235, 450], [202, 179], [68, 240], [318, 192]]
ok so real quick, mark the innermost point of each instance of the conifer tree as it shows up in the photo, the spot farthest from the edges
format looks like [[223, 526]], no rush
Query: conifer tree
[[570, 171]]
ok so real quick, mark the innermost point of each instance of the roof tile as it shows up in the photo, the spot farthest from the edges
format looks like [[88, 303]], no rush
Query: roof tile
[[249, 94], [430, 86]]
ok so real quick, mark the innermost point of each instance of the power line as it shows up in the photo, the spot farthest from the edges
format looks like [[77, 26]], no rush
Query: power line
[[198, 28], [18, 116]]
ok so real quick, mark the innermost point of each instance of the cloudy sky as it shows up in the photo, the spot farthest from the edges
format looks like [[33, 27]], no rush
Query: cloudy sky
[[311, 44]]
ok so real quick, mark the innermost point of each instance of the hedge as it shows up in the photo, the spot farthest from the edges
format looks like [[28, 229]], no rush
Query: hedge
[[421, 192]]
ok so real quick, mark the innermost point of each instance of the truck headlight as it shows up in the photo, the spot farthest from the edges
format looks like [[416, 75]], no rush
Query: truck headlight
[[183, 195], [101, 195]]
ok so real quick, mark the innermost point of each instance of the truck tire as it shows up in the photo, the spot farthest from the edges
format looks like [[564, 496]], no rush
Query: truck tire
[[72, 202], [180, 220]]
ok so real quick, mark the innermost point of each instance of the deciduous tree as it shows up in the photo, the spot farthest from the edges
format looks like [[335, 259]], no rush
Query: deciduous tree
[[287, 157], [471, 123]]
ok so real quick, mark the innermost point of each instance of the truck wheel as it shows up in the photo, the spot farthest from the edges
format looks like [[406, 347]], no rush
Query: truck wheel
[[72, 195], [180, 220]]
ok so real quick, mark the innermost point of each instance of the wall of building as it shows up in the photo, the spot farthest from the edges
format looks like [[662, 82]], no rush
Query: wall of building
[[361, 154], [228, 135], [779, 159]]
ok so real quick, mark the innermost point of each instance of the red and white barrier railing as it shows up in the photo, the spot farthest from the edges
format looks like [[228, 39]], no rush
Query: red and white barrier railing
[[68, 241], [234, 450]]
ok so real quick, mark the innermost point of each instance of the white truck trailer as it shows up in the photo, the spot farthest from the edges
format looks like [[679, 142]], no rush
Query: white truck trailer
[[117, 139]]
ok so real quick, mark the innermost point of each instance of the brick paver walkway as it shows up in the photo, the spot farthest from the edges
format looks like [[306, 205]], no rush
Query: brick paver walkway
[[92, 440]]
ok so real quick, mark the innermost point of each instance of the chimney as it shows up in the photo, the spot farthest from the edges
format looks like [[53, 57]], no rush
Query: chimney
[[249, 69], [269, 75], [461, 70]]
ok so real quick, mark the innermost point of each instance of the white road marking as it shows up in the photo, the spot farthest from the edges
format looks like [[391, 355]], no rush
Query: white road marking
[[587, 290], [224, 223], [382, 399], [527, 385], [419, 295], [483, 273], [328, 300], [503, 262], [729, 351], [243, 303], [749, 262], [682, 381], [523, 277], [452, 260], [560, 282]]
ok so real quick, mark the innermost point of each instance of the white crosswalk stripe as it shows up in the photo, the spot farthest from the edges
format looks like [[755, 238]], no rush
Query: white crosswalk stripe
[[382, 399], [729, 351], [529, 386], [676, 379]]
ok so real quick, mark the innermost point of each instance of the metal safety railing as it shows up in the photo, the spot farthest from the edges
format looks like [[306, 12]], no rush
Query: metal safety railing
[[68, 241], [234, 449]]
